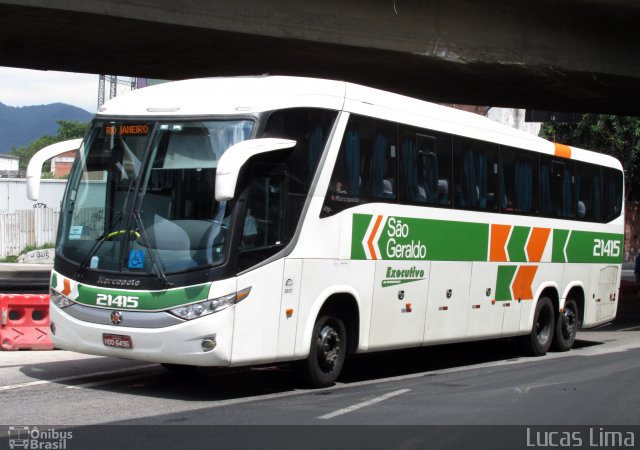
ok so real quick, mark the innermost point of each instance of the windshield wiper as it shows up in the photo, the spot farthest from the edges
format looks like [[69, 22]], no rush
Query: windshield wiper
[[100, 239], [140, 228], [98, 243], [156, 267]]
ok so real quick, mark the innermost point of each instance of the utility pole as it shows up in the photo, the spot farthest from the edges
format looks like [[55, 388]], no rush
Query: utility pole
[[125, 83]]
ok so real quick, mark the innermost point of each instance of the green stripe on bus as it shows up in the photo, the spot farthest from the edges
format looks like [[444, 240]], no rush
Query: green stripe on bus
[[455, 241], [517, 243], [146, 300], [559, 241], [360, 225], [589, 247], [503, 282], [405, 238]]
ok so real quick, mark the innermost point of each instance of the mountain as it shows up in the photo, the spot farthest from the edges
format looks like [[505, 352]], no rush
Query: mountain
[[19, 126]]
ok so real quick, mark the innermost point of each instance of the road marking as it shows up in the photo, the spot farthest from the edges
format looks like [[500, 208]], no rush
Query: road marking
[[527, 389], [370, 402], [72, 377], [630, 328], [342, 386]]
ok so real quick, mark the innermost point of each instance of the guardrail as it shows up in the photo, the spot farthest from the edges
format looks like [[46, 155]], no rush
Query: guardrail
[[33, 278]]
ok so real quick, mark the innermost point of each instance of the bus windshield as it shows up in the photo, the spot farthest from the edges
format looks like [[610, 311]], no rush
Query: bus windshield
[[141, 198]]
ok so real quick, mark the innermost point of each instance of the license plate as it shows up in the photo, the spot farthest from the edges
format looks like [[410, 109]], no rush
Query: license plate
[[117, 341]]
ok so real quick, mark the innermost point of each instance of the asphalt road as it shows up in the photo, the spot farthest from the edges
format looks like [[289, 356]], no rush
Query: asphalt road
[[486, 383]]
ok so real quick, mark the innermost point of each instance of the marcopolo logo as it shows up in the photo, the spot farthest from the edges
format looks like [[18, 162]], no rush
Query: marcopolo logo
[[402, 276]]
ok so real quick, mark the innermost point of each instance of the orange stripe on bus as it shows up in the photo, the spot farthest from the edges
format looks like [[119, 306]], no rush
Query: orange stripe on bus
[[499, 236], [521, 286], [66, 287], [372, 236], [562, 151], [537, 243]]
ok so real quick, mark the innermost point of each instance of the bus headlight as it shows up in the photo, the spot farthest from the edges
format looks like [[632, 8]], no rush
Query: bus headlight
[[61, 301], [210, 306]]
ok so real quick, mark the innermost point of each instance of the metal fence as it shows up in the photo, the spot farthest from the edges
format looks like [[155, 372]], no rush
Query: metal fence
[[30, 227]]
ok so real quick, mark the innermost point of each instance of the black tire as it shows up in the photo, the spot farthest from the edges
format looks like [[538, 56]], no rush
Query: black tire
[[538, 342], [566, 327], [327, 352]]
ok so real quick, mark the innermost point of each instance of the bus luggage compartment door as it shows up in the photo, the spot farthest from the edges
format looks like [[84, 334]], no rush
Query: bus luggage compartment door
[[448, 303], [399, 304]]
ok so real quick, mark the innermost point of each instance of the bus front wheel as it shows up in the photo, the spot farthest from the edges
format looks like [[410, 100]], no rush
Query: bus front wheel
[[327, 352], [538, 342], [566, 327]]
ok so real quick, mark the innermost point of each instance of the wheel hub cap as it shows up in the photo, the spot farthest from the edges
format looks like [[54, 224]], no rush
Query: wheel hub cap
[[328, 348], [568, 323]]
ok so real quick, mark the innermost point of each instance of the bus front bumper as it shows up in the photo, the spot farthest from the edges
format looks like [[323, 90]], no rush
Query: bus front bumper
[[205, 341]]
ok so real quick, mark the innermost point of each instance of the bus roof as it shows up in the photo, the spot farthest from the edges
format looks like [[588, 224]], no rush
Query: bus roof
[[254, 94], [222, 96]]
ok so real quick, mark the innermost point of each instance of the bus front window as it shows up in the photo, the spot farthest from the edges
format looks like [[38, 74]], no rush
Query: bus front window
[[142, 200]]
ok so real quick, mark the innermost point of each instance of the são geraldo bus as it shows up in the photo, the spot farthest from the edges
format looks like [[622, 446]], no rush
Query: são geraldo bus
[[242, 221]]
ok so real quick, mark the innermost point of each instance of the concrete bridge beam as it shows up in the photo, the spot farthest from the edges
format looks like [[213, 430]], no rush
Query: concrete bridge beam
[[564, 55]]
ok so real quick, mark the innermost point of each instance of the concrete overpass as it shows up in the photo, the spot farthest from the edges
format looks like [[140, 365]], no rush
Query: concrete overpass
[[560, 55]]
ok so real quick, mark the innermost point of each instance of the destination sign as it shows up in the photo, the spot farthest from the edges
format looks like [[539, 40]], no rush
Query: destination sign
[[127, 129]]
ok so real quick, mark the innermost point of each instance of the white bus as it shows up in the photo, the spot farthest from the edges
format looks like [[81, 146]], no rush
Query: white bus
[[244, 221]]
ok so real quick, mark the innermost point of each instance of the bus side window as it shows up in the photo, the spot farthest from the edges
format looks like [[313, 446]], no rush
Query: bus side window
[[475, 174], [349, 181], [366, 169], [556, 187], [425, 167], [518, 181], [310, 128], [588, 192], [611, 194]]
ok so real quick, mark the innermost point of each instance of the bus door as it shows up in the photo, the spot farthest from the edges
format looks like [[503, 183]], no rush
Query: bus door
[[257, 318], [399, 303]]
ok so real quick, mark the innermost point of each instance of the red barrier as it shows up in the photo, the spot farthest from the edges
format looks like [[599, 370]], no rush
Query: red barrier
[[24, 322]]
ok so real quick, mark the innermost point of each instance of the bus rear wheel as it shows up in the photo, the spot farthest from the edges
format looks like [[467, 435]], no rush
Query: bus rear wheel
[[539, 341], [566, 327], [327, 353]]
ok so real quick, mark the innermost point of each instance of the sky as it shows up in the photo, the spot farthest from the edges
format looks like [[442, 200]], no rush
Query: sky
[[23, 87]]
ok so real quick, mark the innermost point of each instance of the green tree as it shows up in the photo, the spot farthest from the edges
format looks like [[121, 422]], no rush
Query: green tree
[[618, 136], [67, 129], [71, 129]]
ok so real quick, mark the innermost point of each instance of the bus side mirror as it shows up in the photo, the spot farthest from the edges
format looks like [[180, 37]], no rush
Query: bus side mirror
[[236, 156], [34, 169]]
